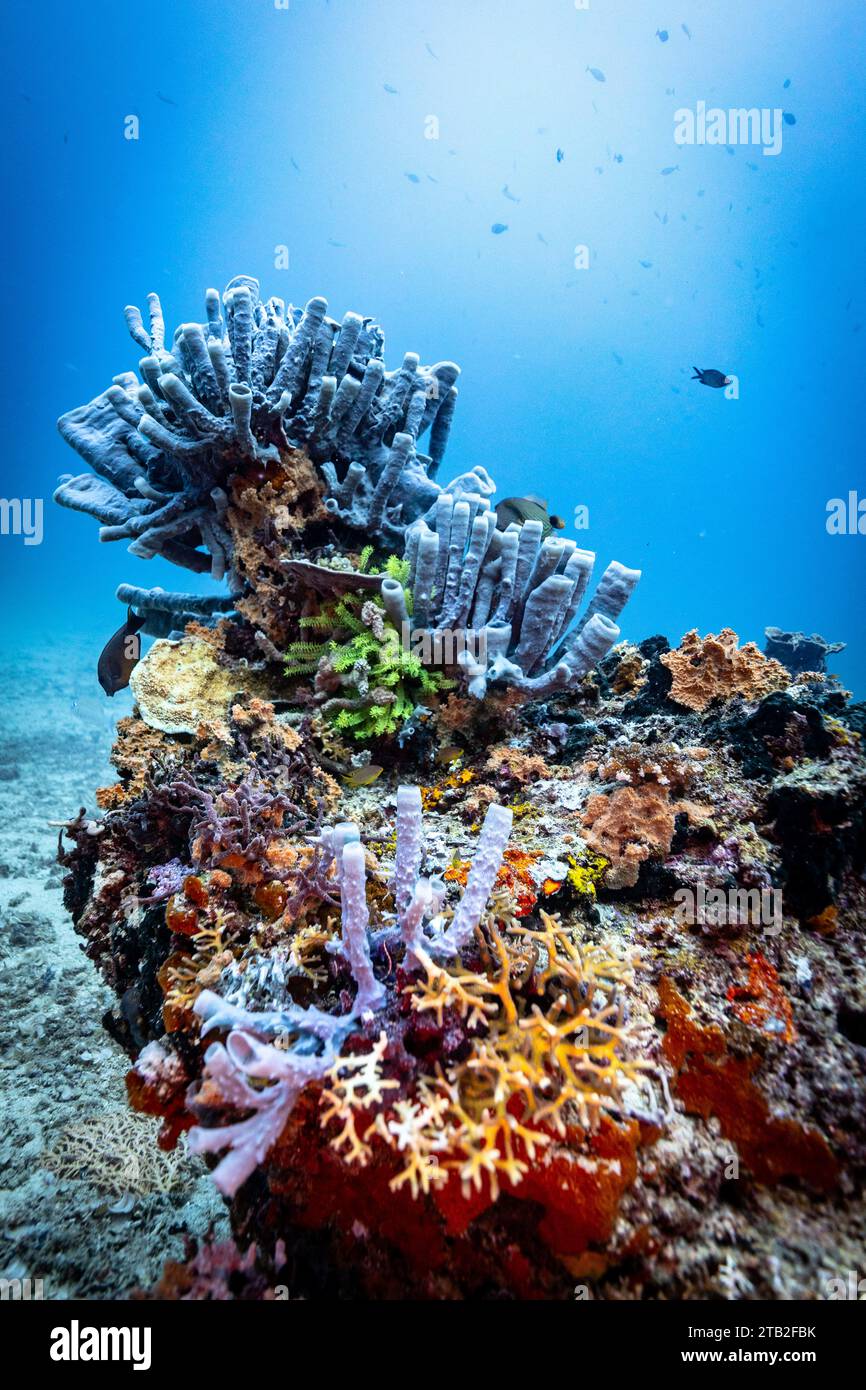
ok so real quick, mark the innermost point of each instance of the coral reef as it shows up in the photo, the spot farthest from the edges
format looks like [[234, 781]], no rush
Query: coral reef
[[267, 426], [469, 972]]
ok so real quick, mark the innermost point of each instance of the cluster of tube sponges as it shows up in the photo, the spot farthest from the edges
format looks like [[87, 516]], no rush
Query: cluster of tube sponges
[[254, 379], [516, 592], [314, 1037]]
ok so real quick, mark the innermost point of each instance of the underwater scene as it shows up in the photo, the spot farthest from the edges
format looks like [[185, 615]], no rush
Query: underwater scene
[[432, 770]]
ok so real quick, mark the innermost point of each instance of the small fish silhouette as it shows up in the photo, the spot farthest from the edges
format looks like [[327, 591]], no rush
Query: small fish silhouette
[[788, 118], [413, 178], [392, 91], [560, 156], [670, 169], [597, 74], [686, 30], [120, 655], [509, 195], [498, 228], [710, 377], [662, 35]]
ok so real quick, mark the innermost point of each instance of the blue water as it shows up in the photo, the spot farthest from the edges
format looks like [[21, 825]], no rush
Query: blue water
[[576, 382]]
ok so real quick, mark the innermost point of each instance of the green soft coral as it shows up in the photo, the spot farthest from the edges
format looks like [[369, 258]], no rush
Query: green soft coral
[[365, 650]]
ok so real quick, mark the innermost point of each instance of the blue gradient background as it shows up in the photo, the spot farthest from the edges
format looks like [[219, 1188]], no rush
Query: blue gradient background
[[721, 503]]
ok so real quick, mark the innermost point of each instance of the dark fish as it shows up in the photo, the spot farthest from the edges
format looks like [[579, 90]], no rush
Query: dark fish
[[662, 35], [168, 101], [787, 82], [392, 91], [509, 195], [710, 377], [560, 156], [531, 508], [647, 265], [686, 30], [120, 654], [788, 118], [294, 163], [413, 178], [498, 228], [597, 74], [670, 169]]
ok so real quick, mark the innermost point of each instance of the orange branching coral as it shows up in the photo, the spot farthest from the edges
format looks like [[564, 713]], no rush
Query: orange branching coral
[[551, 1050], [712, 668], [761, 1002], [710, 1081], [628, 827]]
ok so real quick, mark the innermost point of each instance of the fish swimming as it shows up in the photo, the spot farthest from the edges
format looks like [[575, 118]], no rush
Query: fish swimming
[[120, 655], [662, 35], [498, 228], [529, 508], [450, 754], [597, 74], [560, 155], [710, 377], [362, 776]]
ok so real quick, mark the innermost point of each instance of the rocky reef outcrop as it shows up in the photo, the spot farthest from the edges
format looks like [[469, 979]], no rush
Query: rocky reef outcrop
[[500, 970]]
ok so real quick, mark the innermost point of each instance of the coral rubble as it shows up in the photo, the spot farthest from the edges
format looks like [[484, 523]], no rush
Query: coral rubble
[[532, 966]]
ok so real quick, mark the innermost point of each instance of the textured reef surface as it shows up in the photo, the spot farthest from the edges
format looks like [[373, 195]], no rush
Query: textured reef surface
[[478, 951]]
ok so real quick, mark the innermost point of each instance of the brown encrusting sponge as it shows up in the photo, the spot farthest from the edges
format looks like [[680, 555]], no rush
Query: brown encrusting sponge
[[715, 668]]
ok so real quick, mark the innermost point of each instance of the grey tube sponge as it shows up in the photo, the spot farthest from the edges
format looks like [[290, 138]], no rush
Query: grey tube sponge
[[410, 842], [486, 863], [520, 593], [417, 898], [355, 922], [254, 379]]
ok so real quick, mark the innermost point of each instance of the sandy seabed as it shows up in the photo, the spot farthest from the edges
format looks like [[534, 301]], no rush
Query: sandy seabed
[[105, 1229]]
